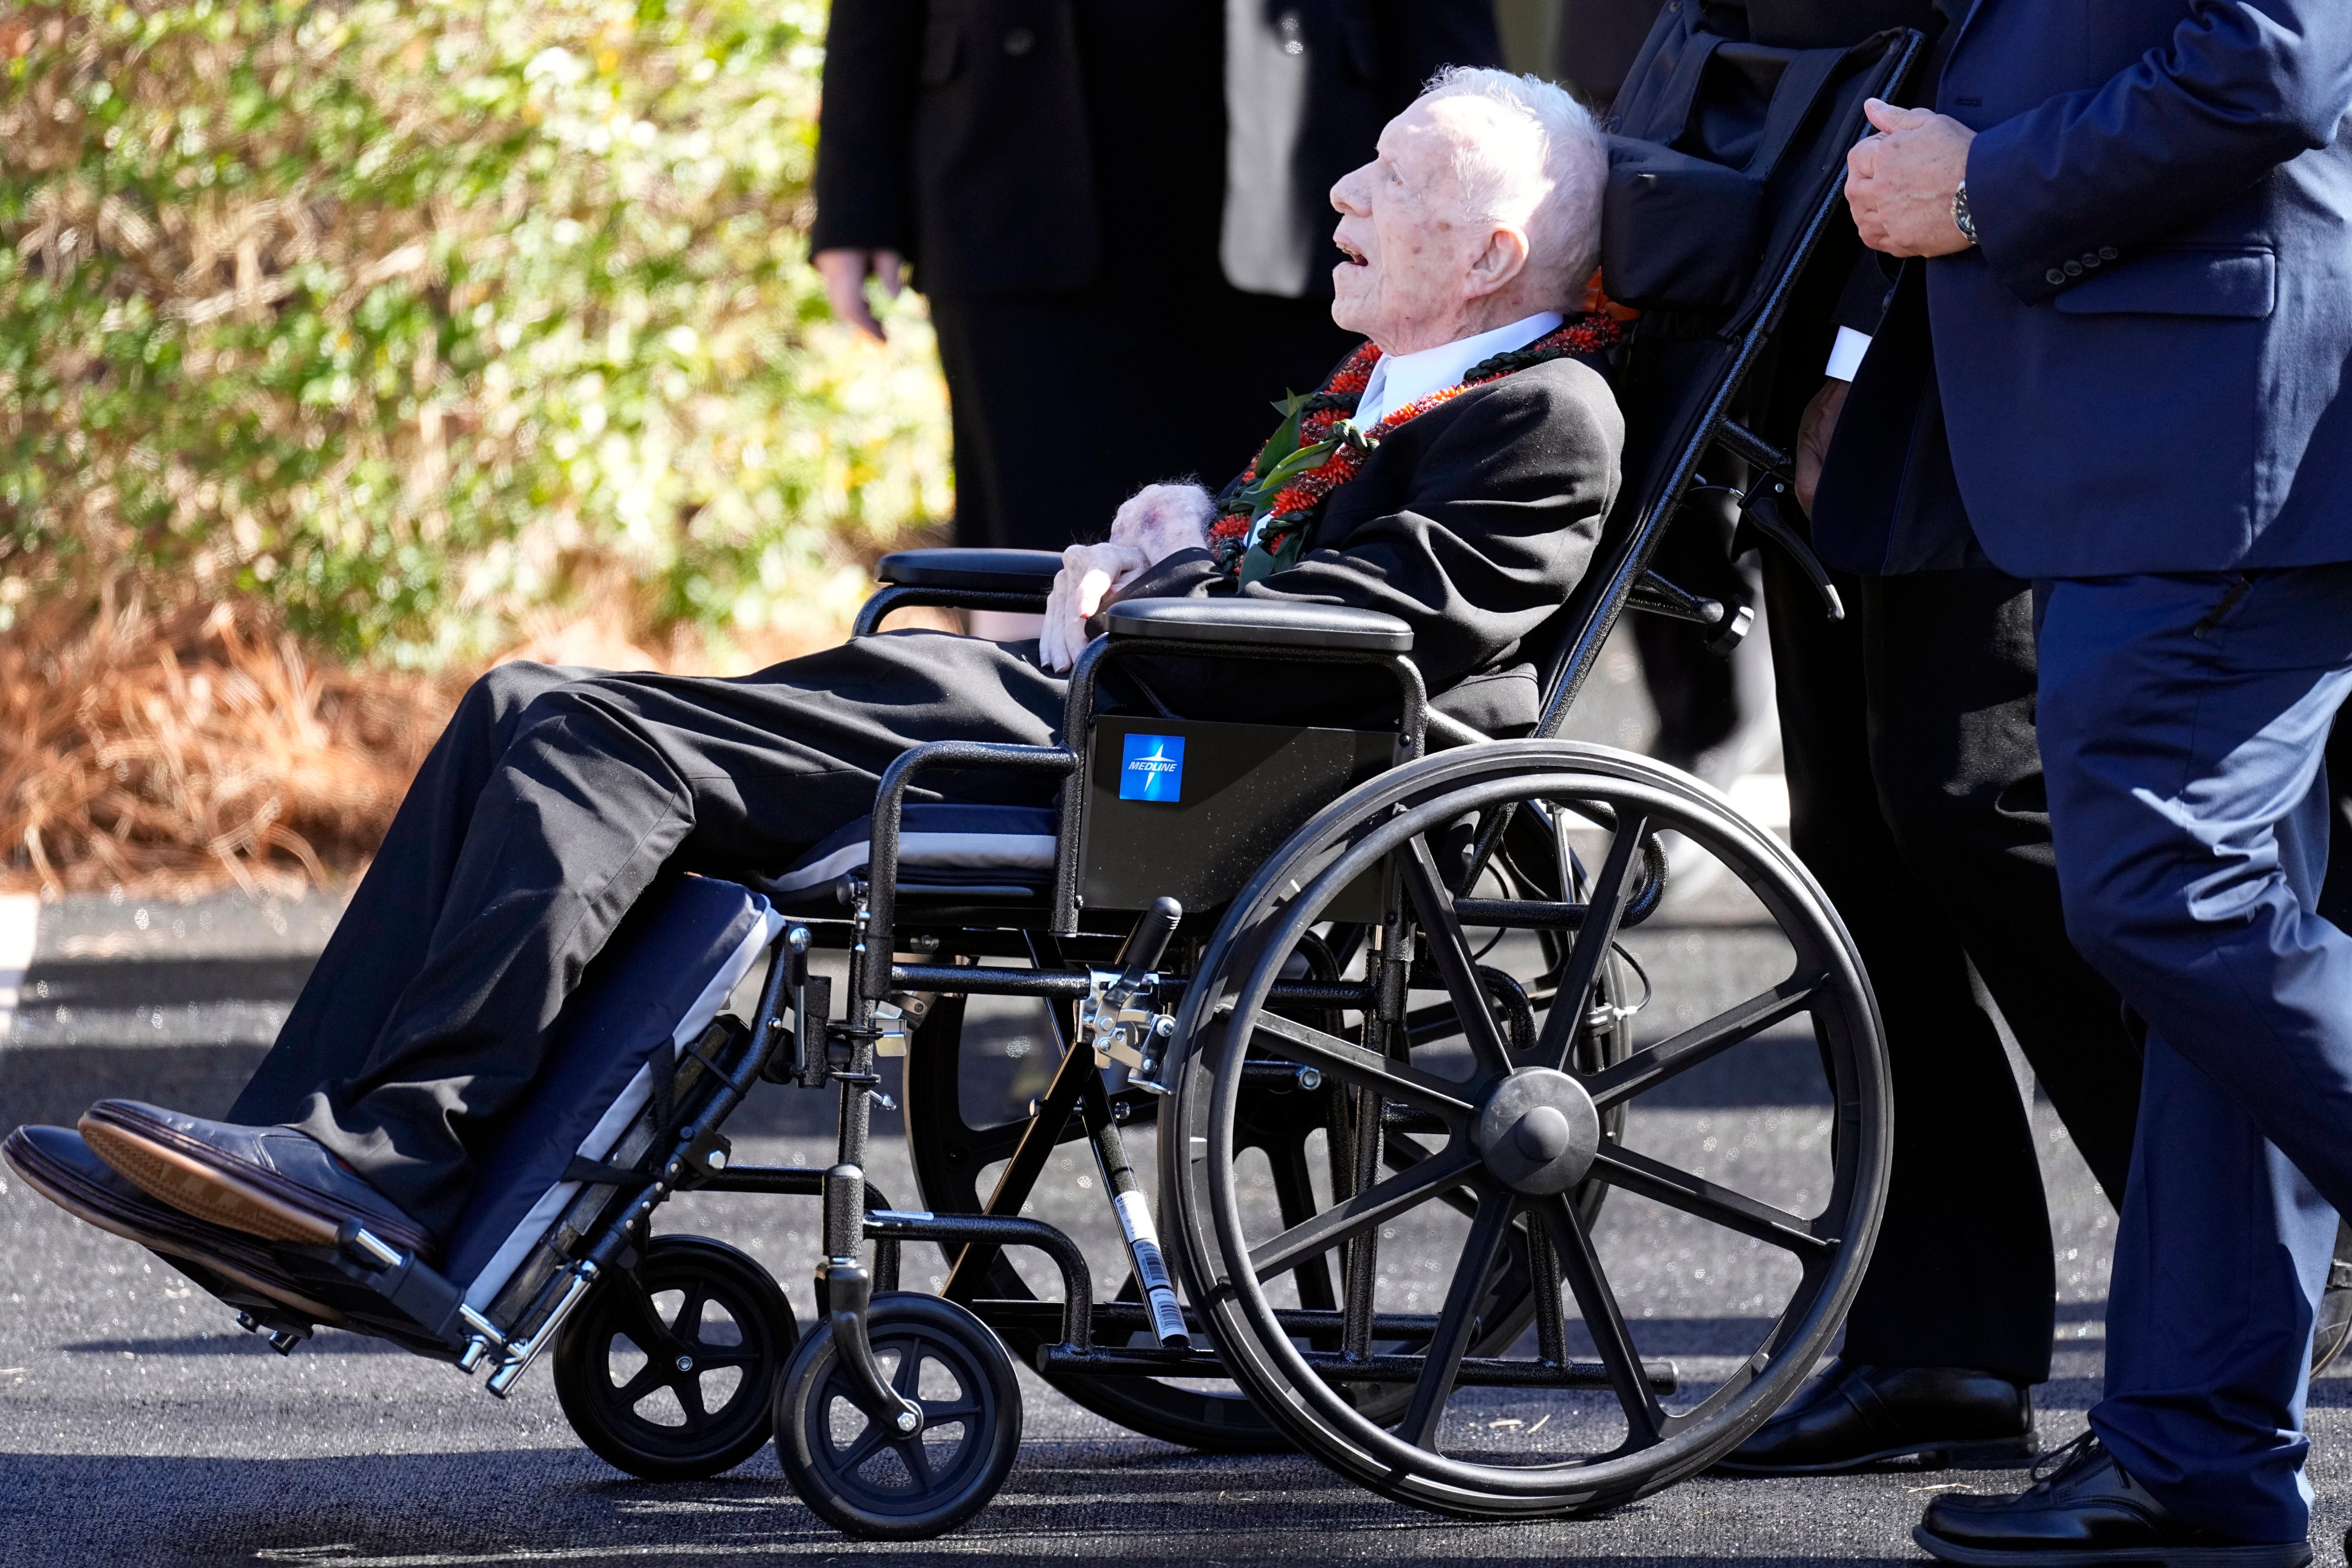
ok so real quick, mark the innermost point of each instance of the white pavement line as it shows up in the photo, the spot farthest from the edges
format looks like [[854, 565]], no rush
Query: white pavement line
[[20, 917], [1764, 797]]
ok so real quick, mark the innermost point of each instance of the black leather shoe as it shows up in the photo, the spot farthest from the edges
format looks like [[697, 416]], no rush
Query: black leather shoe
[[56, 1163], [270, 1182], [2082, 1509], [1852, 1415]]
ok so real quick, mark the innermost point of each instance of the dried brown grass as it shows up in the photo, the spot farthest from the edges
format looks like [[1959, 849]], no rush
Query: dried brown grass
[[170, 754]]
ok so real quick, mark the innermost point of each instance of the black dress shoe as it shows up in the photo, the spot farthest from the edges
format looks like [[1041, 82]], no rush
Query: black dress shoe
[[56, 1163], [1855, 1416], [270, 1182], [2082, 1509]]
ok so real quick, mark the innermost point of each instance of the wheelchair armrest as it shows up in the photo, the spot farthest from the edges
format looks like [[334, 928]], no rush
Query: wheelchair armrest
[[985, 570], [1336, 627]]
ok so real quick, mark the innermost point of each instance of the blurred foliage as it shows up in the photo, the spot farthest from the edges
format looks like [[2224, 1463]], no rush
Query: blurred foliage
[[423, 319]]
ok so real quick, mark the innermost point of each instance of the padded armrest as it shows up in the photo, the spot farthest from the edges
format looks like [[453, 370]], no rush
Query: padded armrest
[[1335, 626], [985, 570]]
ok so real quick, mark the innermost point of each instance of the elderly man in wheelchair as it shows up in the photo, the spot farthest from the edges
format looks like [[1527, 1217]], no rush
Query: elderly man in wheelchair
[[513, 1049], [1452, 474]]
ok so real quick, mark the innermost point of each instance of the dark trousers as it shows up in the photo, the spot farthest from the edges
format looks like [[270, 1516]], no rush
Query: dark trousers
[[1064, 405], [2184, 719], [1916, 797], [547, 808]]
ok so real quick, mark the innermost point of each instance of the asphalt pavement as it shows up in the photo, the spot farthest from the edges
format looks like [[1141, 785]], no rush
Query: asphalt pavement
[[138, 1425]]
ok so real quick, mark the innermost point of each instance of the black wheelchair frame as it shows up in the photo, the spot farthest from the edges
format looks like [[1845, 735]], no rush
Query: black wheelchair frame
[[1176, 1033]]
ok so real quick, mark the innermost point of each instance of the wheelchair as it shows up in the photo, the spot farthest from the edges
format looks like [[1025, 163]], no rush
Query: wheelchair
[[1374, 997]]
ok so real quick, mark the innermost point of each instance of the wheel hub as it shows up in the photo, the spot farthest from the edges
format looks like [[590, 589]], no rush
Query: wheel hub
[[1539, 1132]]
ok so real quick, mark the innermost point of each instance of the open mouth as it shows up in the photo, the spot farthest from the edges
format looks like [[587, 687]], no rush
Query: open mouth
[[1351, 255]]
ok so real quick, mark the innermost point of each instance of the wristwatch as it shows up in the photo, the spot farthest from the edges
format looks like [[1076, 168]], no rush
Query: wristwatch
[[1961, 219]]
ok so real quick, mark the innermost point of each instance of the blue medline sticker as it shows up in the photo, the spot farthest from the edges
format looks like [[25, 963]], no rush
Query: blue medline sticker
[[1151, 767]]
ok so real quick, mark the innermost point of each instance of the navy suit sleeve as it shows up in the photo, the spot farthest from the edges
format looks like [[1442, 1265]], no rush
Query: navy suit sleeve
[[2243, 85], [864, 195]]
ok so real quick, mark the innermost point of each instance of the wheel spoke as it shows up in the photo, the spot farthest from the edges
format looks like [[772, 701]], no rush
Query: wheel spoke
[[940, 1415], [687, 1386], [1645, 1419], [650, 1377], [1652, 1066], [909, 1376], [1457, 1321], [1399, 1152], [1380, 1202], [918, 1462], [1455, 965], [1602, 916], [685, 1327], [1678, 1189], [1368, 1069], [869, 1442]]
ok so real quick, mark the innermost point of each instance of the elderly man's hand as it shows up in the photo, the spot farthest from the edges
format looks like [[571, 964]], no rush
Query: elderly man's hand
[[1160, 520], [1156, 522], [1900, 183], [1090, 574]]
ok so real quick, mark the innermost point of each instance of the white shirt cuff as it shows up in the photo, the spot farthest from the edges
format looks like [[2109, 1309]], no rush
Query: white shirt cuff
[[1845, 358]]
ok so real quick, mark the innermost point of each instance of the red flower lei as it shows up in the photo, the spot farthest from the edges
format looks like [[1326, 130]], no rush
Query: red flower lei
[[1321, 421]]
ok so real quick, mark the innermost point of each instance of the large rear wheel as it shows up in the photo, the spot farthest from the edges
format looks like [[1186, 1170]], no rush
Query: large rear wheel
[[1498, 1137]]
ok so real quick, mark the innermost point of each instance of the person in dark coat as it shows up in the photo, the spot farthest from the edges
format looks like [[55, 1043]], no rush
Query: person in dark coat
[[556, 797], [1916, 798], [1022, 155], [2115, 365]]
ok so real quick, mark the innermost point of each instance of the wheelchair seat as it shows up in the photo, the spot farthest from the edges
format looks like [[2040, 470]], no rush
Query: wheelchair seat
[[947, 848]]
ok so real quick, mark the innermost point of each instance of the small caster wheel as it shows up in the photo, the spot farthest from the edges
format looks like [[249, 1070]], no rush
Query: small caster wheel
[[875, 1483], [667, 1372]]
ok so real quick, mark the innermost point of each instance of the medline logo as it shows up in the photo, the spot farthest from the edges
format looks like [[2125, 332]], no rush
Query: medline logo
[[1152, 768]]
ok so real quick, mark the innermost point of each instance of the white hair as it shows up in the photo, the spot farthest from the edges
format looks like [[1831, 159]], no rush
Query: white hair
[[1541, 170]]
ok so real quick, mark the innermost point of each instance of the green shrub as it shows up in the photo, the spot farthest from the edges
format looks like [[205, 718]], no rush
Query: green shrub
[[422, 317]]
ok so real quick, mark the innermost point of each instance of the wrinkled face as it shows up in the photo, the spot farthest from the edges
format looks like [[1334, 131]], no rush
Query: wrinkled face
[[1408, 249]]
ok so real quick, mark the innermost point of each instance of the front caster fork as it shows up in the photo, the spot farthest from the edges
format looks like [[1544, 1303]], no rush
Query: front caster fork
[[847, 1291]]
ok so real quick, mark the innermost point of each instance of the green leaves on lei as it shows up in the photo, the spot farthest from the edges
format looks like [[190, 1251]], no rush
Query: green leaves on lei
[[1277, 544]]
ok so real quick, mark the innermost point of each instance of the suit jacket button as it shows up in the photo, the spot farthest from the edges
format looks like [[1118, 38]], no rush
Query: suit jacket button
[[1019, 42], [2054, 276], [2091, 258], [2074, 269], [2108, 253]]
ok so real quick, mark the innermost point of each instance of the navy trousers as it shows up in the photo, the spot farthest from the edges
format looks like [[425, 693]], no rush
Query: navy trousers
[[2182, 723]]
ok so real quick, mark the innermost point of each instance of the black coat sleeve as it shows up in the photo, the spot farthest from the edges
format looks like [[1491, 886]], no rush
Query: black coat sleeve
[[1477, 541], [863, 181]]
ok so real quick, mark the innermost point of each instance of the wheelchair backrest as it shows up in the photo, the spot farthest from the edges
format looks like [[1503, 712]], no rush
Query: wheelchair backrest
[[1727, 166]]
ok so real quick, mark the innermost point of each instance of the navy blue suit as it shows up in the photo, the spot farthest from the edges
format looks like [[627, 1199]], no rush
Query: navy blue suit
[[2141, 375]]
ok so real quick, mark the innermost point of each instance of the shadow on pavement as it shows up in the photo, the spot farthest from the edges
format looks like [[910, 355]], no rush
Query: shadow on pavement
[[1129, 1501]]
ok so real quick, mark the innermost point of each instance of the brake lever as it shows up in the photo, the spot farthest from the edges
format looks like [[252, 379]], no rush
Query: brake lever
[[1761, 510]]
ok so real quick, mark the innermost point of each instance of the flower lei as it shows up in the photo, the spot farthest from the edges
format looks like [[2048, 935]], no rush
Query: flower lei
[[1318, 449]]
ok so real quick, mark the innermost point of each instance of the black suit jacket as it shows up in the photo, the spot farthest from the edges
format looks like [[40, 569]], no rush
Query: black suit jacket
[[1471, 523], [1013, 146]]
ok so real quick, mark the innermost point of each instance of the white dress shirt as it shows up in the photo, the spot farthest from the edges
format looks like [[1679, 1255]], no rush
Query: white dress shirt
[[1399, 379], [1845, 355]]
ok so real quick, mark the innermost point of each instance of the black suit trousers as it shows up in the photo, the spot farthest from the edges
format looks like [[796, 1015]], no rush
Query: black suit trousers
[[548, 807], [1916, 797]]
